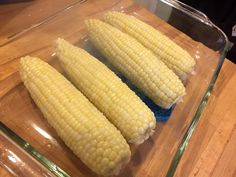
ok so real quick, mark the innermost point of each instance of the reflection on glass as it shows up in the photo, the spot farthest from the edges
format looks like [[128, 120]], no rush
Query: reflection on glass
[[13, 157], [42, 132]]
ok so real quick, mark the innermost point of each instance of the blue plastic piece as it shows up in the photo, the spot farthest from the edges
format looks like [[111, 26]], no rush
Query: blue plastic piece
[[160, 113]]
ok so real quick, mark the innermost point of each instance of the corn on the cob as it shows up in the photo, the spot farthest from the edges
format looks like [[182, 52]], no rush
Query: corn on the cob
[[175, 57], [82, 127], [107, 92], [137, 63]]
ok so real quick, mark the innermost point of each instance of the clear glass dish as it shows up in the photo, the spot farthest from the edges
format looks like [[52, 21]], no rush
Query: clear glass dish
[[39, 27]]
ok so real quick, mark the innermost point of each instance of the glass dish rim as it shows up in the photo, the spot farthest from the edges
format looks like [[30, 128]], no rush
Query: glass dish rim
[[193, 13], [200, 16]]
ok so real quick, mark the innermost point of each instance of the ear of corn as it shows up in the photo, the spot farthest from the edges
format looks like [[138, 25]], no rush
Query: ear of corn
[[137, 63], [82, 127], [175, 57], [107, 92]]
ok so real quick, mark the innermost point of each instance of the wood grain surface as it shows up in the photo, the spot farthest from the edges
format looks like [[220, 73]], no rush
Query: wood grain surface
[[18, 111], [212, 149]]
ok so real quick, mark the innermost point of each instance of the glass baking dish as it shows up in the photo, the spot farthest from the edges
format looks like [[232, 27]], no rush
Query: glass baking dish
[[38, 26]]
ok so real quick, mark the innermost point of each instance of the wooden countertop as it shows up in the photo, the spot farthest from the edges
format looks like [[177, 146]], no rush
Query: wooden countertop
[[212, 149]]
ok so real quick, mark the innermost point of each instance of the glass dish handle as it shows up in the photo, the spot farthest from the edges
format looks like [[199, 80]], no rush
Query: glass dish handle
[[189, 10]]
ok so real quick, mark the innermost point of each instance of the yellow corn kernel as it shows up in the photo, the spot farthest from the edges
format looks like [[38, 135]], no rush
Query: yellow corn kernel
[[175, 57], [137, 63], [107, 92], [84, 129]]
